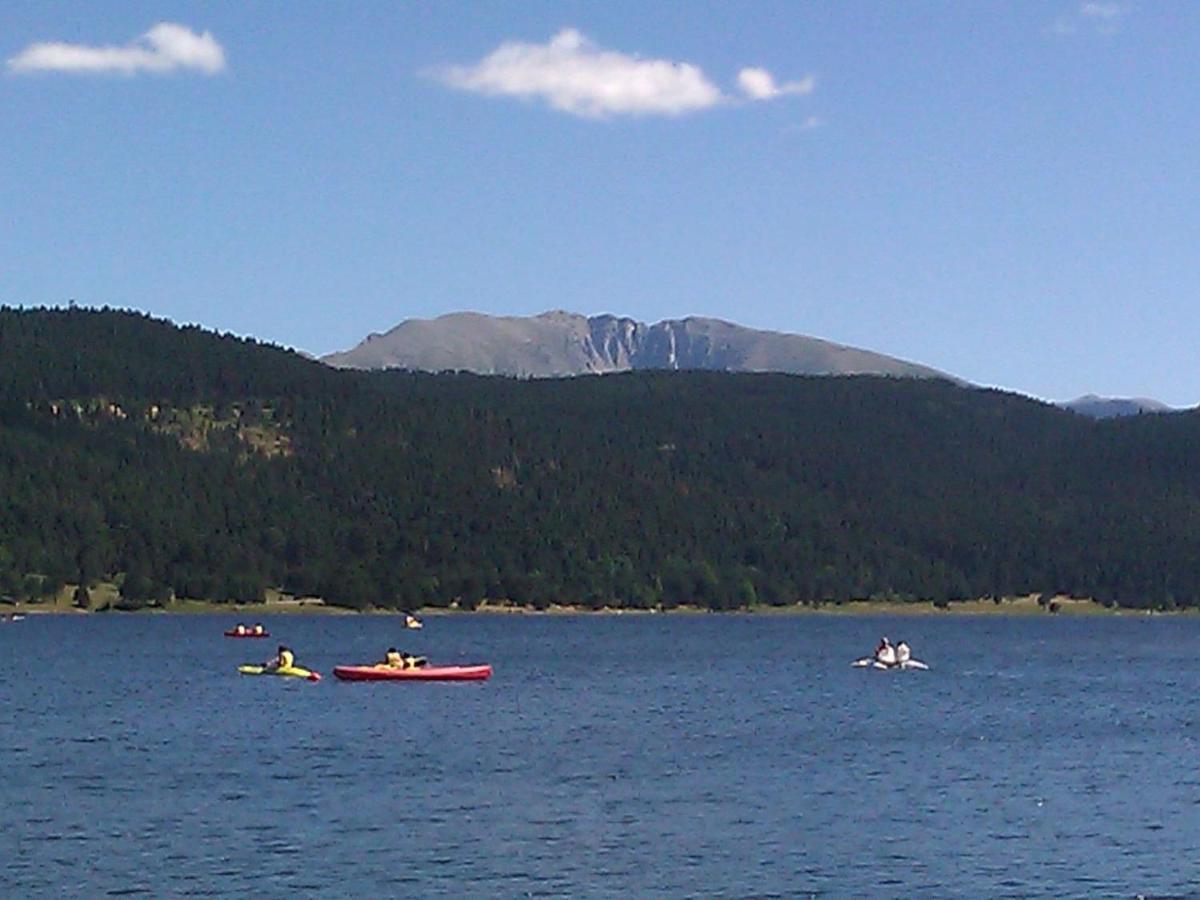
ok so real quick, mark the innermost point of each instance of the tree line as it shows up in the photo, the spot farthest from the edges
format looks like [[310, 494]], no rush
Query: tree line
[[176, 462]]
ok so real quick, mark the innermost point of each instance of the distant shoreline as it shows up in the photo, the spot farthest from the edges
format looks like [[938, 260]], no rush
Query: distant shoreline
[[247, 612]]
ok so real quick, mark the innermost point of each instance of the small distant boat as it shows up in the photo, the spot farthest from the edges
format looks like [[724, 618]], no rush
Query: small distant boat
[[411, 621], [13, 617], [281, 672], [870, 662], [243, 632], [889, 657]]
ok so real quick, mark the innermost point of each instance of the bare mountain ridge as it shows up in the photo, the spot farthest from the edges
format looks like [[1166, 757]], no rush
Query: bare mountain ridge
[[1112, 407], [557, 344]]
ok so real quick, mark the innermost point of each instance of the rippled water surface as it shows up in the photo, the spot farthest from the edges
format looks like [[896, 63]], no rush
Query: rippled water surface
[[733, 756]]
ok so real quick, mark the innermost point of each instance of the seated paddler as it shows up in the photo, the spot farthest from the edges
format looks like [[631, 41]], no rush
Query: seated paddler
[[885, 652], [396, 659], [284, 659]]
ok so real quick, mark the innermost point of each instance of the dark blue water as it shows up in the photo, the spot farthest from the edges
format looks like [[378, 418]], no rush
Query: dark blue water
[[732, 756]]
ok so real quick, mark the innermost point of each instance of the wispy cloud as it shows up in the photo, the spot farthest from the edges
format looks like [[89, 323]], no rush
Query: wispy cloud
[[759, 84], [1099, 16], [1102, 12], [164, 48], [573, 75]]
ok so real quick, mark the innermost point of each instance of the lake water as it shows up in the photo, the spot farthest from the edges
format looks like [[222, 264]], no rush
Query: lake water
[[677, 756]]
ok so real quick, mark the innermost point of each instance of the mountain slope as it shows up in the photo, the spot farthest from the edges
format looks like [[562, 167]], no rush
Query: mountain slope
[[557, 344]]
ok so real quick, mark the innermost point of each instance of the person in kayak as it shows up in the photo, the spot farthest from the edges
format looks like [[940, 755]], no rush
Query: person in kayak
[[284, 659], [258, 629], [241, 629], [397, 660], [885, 652], [903, 653]]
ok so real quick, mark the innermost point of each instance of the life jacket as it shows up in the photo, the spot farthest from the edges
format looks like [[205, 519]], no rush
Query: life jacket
[[241, 629], [903, 654], [258, 629], [395, 660], [286, 659], [886, 655]]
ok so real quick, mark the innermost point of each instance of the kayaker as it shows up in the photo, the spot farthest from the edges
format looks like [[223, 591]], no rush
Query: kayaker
[[284, 659], [396, 659], [885, 652], [258, 629], [903, 653], [241, 629]]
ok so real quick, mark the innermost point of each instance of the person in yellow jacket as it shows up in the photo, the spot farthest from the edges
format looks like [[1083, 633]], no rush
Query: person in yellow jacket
[[397, 660], [284, 659], [258, 629]]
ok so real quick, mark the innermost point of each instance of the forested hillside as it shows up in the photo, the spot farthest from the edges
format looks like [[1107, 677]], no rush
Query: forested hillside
[[179, 462]]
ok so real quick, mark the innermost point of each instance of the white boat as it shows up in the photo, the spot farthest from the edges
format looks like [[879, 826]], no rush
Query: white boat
[[870, 662], [888, 656]]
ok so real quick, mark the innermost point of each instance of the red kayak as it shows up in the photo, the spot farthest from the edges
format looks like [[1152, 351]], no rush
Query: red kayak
[[259, 634], [423, 673]]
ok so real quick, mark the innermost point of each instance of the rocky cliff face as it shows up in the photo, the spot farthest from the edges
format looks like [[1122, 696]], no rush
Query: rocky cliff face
[[557, 344]]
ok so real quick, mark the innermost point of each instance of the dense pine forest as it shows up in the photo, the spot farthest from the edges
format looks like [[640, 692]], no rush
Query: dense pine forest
[[175, 462]]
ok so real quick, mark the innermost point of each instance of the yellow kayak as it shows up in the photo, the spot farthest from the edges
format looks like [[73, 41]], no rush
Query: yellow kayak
[[285, 672]]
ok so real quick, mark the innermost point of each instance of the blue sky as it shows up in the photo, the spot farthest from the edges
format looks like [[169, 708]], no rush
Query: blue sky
[[1005, 191]]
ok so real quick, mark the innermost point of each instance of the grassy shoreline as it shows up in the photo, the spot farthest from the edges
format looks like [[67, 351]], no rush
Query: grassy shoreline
[[1015, 606]]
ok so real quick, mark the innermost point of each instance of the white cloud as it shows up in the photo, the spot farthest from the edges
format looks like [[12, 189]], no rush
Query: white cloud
[[1105, 12], [759, 84], [1101, 16], [164, 48], [573, 75]]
